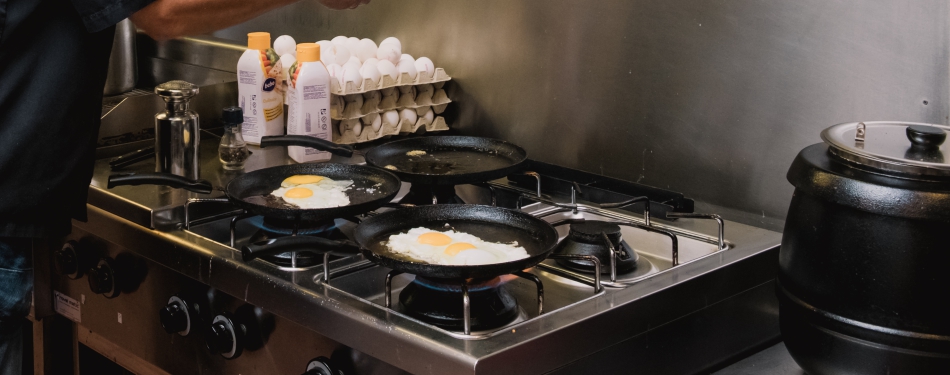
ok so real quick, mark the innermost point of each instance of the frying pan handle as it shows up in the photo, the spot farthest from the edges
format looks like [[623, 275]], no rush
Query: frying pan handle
[[165, 179], [307, 141], [298, 243], [133, 157]]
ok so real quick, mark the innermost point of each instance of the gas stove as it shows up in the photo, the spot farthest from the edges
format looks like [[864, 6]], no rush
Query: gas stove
[[637, 280]]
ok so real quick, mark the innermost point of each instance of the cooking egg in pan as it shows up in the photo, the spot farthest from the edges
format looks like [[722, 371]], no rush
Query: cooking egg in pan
[[452, 248]]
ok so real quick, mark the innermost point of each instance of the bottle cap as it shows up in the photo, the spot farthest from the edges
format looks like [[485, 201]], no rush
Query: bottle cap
[[258, 40], [232, 115], [308, 52]]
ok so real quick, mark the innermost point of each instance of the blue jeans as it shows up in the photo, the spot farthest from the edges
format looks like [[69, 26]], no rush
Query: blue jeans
[[16, 296]]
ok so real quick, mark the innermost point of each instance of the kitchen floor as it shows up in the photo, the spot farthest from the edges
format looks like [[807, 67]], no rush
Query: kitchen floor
[[774, 360]]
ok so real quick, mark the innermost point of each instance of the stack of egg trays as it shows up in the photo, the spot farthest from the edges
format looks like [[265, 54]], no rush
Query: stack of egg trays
[[389, 94]]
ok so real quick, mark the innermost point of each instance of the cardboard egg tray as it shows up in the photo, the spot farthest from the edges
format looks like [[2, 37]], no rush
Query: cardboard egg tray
[[438, 77], [367, 108]]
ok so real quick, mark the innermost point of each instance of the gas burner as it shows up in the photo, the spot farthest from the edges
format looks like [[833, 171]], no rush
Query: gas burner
[[269, 229], [587, 238], [439, 302], [431, 194]]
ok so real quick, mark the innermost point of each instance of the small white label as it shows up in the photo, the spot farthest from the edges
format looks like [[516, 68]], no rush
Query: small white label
[[66, 306], [82, 298], [120, 318]]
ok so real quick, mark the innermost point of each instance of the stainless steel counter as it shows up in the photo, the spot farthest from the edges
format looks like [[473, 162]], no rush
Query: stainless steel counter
[[128, 216], [773, 360]]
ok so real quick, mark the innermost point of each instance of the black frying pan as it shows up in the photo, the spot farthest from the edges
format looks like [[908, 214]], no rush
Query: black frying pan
[[371, 189], [492, 224], [448, 160]]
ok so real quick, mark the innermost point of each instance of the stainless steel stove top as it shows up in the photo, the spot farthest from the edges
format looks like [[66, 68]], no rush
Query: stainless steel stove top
[[577, 317]]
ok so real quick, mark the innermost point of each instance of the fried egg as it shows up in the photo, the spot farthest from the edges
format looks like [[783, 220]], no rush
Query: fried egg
[[312, 191], [452, 248]]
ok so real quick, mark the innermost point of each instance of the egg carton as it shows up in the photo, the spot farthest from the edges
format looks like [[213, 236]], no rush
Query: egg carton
[[344, 131], [439, 77], [355, 106]]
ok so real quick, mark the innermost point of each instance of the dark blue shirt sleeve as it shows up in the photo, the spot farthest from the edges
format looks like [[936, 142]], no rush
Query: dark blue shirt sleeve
[[100, 14]]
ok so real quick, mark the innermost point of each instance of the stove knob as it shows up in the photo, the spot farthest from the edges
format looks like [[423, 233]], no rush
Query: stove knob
[[177, 316], [102, 278], [67, 260], [322, 366], [225, 336]]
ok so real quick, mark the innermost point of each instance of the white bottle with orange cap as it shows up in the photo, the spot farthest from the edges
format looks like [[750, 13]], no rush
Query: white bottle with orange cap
[[308, 104], [260, 93]]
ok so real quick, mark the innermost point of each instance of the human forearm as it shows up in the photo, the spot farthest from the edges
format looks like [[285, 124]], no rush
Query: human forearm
[[167, 19]]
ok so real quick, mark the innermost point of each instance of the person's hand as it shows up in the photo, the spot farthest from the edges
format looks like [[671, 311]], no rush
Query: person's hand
[[343, 4]]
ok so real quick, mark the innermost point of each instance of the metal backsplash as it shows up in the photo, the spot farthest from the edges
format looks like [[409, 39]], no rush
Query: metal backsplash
[[710, 98]]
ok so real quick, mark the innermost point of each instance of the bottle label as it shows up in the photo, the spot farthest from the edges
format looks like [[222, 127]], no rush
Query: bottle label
[[269, 84]]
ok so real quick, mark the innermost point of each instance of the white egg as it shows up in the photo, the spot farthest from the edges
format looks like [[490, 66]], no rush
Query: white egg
[[408, 67], [409, 115], [393, 41], [425, 112], [327, 52], [425, 66], [387, 68], [353, 44], [452, 248], [390, 117], [342, 54], [390, 52], [367, 49], [376, 123], [339, 40], [351, 73], [286, 62], [285, 45], [351, 126], [406, 56], [355, 60], [369, 70], [336, 72]]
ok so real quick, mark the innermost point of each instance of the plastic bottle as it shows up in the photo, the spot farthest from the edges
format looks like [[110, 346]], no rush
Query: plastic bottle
[[232, 151], [260, 93], [309, 102]]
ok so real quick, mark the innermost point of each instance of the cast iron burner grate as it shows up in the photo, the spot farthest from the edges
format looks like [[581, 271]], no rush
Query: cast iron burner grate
[[440, 303], [596, 238], [269, 229], [420, 195]]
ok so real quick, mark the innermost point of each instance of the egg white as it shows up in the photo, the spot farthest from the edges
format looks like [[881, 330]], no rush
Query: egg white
[[484, 252], [326, 193]]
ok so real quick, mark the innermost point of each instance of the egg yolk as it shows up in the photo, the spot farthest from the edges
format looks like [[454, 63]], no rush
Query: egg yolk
[[298, 192], [434, 239], [301, 179], [458, 247]]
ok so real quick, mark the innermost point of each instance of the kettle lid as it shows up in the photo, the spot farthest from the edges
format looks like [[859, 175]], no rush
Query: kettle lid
[[907, 148]]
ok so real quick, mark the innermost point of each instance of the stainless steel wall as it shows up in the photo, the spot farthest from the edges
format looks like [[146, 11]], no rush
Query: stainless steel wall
[[711, 98]]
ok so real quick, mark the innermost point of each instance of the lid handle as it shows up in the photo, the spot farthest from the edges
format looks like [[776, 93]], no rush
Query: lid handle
[[926, 136]]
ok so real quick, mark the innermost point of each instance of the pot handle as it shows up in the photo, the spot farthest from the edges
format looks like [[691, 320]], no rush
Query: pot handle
[[298, 243], [164, 179], [307, 141]]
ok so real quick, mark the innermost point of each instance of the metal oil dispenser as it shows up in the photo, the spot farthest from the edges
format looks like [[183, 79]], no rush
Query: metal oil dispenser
[[177, 131]]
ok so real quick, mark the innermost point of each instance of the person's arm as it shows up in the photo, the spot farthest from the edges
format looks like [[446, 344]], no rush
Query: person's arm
[[167, 19]]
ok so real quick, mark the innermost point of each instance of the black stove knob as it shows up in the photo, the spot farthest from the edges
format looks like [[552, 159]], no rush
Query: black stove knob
[[322, 366], [225, 336], [102, 278], [177, 316], [69, 260]]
